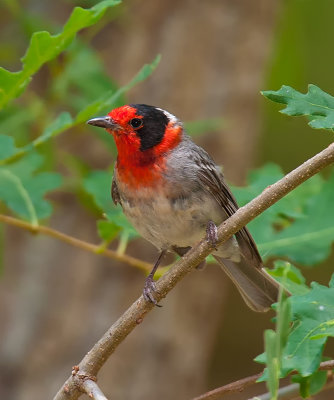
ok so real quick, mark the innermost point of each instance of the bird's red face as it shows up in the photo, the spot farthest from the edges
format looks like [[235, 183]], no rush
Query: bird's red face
[[143, 135]]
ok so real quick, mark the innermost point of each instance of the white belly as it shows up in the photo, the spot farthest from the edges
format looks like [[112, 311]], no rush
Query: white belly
[[177, 222]]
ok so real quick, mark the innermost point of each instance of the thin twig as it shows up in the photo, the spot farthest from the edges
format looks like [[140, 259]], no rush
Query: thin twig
[[93, 390], [237, 386], [93, 248], [101, 351], [291, 392], [240, 385]]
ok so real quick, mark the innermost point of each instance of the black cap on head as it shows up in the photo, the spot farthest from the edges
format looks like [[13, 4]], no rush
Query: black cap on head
[[155, 122]]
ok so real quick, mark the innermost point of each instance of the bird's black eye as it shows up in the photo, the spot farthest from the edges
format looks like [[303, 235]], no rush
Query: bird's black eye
[[136, 122]]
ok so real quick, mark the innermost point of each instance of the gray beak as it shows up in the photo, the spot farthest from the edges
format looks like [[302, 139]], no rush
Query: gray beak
[[104, 122]]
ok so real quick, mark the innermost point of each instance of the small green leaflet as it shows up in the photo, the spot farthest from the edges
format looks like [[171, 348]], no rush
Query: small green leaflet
[[313, 323], [310, 385], [289, 277], [107, 230], [22, 189], [44, 47], [315, 104], [7, 147], [98, 184]]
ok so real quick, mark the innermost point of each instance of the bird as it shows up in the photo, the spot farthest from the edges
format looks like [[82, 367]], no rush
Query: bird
[[174, 194]]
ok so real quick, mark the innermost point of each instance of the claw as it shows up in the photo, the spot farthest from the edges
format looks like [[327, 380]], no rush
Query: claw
[[149, 286], [149, 290], [201, 266], [211, 234]]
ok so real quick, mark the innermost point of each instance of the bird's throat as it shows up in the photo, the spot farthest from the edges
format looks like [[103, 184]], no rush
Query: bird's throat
[[138, 169], [137, 175]]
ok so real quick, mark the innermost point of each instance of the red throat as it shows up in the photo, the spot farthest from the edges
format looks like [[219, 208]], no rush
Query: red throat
[[138, 168]]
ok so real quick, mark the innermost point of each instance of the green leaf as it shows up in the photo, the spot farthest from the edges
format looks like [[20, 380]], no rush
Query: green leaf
[[315, 104], [83, 78], [22, 189], [16, 196], [44, 47], [331, 282], [312, 384], [308, 240], [107, 230], [9, 152], [98, 184], [313, 323], [301, 348], [289, 277], [60, 124], [106, 101], [300, 226], [7, 147], [12, 84]]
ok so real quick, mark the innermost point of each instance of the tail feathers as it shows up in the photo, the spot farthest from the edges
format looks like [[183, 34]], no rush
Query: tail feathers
[[256, 287]]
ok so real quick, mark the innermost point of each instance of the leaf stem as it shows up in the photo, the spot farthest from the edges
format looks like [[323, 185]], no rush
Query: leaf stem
[[123, 242], [93, 248]]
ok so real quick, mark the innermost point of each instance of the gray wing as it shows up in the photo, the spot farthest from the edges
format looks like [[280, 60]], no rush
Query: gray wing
[[256, 287], [213, 182], [114, 192]]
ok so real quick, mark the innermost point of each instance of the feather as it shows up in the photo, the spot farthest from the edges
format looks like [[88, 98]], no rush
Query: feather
[[257, 288]]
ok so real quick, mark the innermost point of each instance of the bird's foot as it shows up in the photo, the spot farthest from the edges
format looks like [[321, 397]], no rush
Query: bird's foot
[[212, 234], [149, 290]]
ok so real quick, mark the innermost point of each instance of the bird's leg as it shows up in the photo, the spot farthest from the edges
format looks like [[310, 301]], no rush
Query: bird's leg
[[149, 286], [211, 234]]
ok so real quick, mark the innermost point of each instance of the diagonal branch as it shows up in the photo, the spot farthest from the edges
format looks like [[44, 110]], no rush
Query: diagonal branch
[[92, 389], [97, 356]]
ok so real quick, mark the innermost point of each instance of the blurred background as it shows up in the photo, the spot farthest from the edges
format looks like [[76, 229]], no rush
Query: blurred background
[[57, 300]]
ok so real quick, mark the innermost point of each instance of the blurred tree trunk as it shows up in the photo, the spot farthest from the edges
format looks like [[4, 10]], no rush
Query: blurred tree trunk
[[213, 58]]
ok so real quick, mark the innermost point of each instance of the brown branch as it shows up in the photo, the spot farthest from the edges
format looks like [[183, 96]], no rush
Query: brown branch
[[93, 248], [92, 389], [97, 356], [240, 385], [237, 386]]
